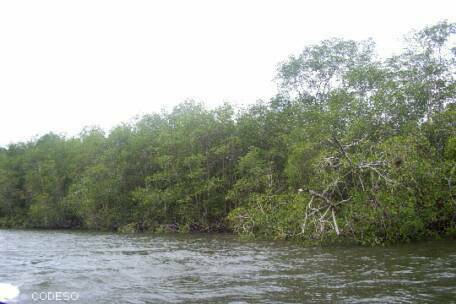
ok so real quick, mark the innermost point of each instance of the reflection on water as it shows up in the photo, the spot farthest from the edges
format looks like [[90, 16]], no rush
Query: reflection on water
[[111, 268]]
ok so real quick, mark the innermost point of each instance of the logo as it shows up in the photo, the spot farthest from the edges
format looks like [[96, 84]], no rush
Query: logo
[[8, 292]]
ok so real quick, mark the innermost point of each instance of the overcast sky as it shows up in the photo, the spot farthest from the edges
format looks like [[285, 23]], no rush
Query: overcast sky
[[68, 64]]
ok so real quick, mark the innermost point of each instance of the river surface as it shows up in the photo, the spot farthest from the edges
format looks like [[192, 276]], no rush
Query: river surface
[[114, 268]]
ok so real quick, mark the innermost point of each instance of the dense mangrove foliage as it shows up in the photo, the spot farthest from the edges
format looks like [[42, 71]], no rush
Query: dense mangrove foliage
[[353, 146]]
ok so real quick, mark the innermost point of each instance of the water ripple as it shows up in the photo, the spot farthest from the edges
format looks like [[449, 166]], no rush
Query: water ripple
[[110, 268]]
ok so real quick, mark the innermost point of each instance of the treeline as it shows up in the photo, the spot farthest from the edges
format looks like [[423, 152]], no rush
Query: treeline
[[353, 147]]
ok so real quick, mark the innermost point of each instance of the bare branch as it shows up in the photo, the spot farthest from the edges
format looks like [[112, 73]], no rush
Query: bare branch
[[335, 222]]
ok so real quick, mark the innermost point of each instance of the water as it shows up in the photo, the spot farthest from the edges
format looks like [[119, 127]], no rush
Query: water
[[112, 268]]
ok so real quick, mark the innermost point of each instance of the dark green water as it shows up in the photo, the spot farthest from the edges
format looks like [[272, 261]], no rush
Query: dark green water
[[111, 268]]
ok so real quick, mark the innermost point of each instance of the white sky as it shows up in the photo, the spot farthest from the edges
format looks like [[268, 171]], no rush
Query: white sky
[[67, 64]]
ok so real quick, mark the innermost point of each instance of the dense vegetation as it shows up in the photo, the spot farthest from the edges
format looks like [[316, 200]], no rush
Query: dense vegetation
[[353, 146]]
